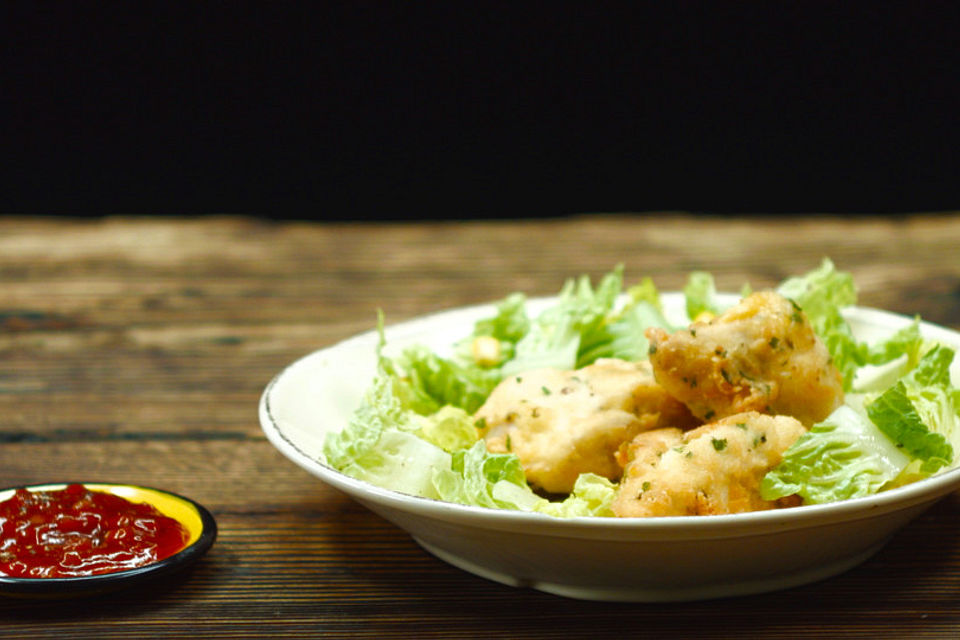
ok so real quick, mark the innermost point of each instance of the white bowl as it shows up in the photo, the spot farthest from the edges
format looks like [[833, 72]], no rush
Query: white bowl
[[643, 559]]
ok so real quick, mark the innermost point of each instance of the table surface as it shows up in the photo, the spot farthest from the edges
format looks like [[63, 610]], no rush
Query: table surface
[[136, 349]]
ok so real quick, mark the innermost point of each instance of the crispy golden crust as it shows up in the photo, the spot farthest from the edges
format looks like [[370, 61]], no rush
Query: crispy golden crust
[[760, 355], [564, 423], [713, 469]]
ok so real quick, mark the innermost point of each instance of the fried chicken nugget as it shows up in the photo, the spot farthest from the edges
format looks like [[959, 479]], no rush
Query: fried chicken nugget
[[564, 423], [713, 469], [759, 355]]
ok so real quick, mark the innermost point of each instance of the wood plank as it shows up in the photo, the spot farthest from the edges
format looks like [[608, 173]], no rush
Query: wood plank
[[299, 571], [136, 349]]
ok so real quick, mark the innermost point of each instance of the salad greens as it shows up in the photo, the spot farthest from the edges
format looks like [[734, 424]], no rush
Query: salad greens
[[700, 293], [905, 433], [414, 431], [823, 294]]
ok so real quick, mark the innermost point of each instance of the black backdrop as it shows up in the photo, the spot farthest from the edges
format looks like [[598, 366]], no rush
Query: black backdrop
[[361, 110]]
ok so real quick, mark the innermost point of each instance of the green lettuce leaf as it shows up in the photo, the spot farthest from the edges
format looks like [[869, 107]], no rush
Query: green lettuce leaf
[[700, 293], [592, 496], [822, 291], [510, 323], [823, 294], [621, 333], [426, 382], [507, 327], [919, 412], [904, 342], [379, 410], [897, 417], [845, 456], [584, 324], [475, 472], [450, 428], [905, 433], [576, 323], [378, 445], [933, 369]]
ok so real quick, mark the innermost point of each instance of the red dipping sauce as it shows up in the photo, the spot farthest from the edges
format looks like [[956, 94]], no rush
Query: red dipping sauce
[[76, 532]]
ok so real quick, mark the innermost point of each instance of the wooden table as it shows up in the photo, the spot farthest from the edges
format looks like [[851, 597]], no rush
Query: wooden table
[[135, 350]]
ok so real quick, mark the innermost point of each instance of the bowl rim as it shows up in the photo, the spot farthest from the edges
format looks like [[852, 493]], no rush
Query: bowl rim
[[924, 491], [81, 585]]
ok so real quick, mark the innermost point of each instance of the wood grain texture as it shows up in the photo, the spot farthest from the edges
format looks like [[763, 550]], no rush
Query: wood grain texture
[[135, 350]]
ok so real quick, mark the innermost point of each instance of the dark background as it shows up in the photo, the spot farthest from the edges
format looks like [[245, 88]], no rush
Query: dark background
[[363, 110]]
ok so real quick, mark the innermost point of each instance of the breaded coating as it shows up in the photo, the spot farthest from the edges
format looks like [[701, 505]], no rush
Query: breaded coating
[[759, 355], [713, 469], [564, 423]]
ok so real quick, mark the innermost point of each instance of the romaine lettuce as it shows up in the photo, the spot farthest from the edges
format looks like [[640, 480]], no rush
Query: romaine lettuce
[[621, 335], [584, 324], [474, 474], [897, 417], [920, 413], [576, 323], [480, 478], [823, 294], [911, 429], [379, 446], [700, 295], [592, 496], [426, 382], [507, 327], [451, 428], [845, 456]]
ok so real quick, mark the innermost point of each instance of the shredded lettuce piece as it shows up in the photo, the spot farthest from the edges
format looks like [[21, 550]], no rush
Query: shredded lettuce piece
[[451, 428], [845, 456], [621, 335], [585, 324], [701, 295], [592, 496], [427, 382], [507, 327], [896, 416], [821, 291], [511, 321], [908, 432], [905, 342], [919, 411], [549, 344], [473, 475], [823, 294], [379, 410], [646, 291], [577, 322], [933, 369], [379, 446]]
